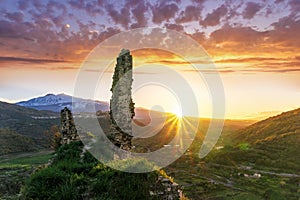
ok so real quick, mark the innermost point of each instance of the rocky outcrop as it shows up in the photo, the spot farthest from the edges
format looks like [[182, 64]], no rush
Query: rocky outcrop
[[68, 129], [164, 188], [121, 104]]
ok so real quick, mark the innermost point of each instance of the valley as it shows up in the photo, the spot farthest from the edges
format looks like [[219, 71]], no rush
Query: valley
[[252, 160]]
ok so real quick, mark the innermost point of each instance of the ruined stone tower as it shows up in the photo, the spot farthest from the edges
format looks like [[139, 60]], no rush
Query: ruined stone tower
[[121, 104], [68, 129]]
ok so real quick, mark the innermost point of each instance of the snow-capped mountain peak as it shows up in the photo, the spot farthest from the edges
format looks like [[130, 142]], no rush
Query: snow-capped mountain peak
[[56, 102], [49, 99]]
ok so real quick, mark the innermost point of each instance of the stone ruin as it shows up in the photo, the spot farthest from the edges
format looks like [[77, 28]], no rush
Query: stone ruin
[[164, 188], [121, 104], [68, 129], [121, 114]]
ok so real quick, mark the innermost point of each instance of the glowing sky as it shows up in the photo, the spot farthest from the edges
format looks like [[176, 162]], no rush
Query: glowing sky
[[254, 44]]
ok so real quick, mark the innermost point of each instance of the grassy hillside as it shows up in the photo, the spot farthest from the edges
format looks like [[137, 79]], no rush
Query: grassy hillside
[[273, 142], [260, 161], [284, 125], [27, 122], [74, 174], [16, 168], [11, 142]]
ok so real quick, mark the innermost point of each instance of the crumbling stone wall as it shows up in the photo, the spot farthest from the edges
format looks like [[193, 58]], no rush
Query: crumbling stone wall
[[121, 104], [68, 129]]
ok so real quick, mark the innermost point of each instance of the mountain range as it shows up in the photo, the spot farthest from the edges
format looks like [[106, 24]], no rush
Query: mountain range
[[273, 141], [23, 125], [57, 102]]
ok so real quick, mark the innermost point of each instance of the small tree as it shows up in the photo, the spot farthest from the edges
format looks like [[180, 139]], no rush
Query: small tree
[[54, 137]]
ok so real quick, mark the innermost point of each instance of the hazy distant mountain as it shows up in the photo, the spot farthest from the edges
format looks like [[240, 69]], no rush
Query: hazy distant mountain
[[20, 123], [57, 102]]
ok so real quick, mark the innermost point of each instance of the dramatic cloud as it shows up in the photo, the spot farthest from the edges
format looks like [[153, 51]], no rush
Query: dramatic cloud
[[57, 30], [14, 30], [251, 9], [191, 13], [213, 19], [240, 35], [139, 8], [163, 11], [284, 32], [254, 44], [122, 17], [199, 37]]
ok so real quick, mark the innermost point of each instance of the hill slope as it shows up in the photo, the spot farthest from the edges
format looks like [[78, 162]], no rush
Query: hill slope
[[12, 142], [273, 142], [27, 122], [286, 124]]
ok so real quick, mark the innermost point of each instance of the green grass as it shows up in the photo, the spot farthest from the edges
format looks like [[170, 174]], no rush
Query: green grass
[[71, 175], [16, 168], [256, 148], [23, 161]]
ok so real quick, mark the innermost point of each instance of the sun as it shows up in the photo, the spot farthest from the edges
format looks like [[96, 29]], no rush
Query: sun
[[178, 112]]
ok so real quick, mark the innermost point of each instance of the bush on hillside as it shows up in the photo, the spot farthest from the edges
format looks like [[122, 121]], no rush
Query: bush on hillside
[[75, 176]]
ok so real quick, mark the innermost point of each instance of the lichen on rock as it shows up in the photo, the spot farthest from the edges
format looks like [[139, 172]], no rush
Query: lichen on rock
[[68, 129], [121, 103]]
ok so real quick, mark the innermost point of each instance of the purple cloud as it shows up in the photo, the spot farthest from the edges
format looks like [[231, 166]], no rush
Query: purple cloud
[[251, 9], [240, 35], [295, 6], [213, 19], [191, 13], [138, 11], [54, 6], [92, 8], [198, 36], [285, 32], [23, 4], [15, 16], [122, 17], [163, 12]]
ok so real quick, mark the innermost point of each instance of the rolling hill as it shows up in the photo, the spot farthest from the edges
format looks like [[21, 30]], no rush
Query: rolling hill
[[12, 142], [273, 142], [26, 124]]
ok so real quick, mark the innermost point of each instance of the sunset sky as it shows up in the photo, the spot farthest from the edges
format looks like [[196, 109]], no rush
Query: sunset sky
[[254, 45]]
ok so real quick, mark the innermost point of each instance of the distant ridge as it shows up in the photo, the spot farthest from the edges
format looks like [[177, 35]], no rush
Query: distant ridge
[[284, 124], [56, 103]]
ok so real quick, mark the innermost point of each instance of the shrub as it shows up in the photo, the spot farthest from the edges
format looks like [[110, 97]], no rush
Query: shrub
[[44, 183], [73, 176], [70, 151]]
